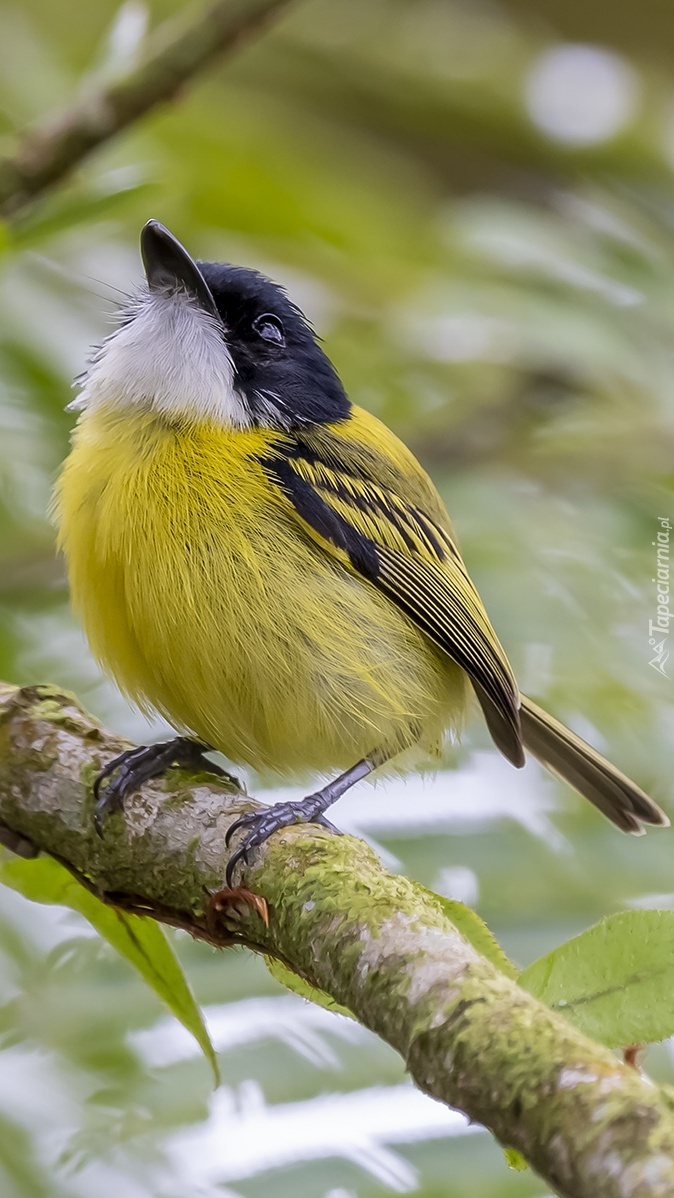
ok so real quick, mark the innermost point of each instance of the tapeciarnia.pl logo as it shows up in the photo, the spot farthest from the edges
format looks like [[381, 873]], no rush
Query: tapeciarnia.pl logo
[[660, 624]]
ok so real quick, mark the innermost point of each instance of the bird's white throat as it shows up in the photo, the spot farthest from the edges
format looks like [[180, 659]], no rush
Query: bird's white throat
[[168, 355]]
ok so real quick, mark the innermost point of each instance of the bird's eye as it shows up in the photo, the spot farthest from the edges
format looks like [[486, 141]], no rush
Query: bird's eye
[[269, 328]]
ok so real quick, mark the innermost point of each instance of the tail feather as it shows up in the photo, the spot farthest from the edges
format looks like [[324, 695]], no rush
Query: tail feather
[[587, 771]]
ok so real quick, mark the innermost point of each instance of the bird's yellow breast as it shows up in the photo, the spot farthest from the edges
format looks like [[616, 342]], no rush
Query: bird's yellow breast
[[202, 595]]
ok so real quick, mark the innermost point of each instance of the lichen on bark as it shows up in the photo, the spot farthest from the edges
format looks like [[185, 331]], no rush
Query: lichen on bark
[[377, 944]]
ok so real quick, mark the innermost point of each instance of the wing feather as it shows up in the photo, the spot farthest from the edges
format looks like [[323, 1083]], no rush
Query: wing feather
[[382, 516]]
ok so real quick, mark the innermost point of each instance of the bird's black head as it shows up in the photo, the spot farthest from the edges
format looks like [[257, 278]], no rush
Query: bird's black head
[[208, 342], [279, 368], [213, 343]]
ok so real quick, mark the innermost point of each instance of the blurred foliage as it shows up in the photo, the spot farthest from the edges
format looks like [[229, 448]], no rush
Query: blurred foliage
[[140, 941], [491, 267]]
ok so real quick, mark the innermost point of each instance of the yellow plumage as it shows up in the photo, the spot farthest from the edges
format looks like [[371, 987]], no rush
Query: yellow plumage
[[203, 597]]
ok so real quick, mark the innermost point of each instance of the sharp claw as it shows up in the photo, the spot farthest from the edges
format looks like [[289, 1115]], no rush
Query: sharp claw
[[244, 821], [231, 866], [102, 776], [131, 769], [100, 812], [325, 823], [111, 800], [263, 824]]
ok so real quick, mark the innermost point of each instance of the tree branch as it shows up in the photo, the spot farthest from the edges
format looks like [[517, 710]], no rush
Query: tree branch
[[377, 944], [174, 56]]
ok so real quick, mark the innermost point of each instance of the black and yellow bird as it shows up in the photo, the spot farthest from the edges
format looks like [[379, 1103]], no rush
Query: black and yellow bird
[[268, 566]]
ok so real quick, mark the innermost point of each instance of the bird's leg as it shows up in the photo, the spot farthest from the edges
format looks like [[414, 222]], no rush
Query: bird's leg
[[261, 824], [129, 770]]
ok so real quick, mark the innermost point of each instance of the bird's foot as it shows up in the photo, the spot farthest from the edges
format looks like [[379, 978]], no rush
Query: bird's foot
[[262, 824], [131, 769]]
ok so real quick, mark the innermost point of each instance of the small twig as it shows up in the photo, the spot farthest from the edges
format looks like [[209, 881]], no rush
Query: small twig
[[174, 56]]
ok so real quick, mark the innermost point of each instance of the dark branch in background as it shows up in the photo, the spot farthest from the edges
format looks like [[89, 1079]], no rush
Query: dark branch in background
[[175, 54], [380, 945]]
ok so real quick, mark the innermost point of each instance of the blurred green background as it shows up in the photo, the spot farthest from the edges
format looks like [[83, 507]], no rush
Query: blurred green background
[[474, 203]]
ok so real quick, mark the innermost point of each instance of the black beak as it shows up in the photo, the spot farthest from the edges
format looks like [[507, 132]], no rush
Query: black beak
[[169, 268]]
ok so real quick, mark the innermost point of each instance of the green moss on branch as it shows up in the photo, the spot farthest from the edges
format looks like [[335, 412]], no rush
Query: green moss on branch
[[377, 944]]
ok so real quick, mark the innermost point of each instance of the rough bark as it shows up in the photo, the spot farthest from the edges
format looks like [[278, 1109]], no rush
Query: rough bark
[[377, 944], [174, 55]]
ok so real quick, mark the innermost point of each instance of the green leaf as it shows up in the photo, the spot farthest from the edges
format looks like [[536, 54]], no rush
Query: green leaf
[[515, 1160], [474, 930], [141, 941], [614, 981], [292, 981]]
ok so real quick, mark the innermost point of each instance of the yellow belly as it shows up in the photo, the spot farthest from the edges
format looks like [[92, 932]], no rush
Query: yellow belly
[[202, 596]]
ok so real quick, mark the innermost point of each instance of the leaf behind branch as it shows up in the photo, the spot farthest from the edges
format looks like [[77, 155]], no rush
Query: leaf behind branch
[[142, 942], [615, 981]]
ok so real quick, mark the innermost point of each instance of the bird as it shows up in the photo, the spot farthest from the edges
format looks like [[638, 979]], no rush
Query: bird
[[267, 566]]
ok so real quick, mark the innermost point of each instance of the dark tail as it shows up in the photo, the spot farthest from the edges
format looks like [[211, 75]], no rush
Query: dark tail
[[587, 771]]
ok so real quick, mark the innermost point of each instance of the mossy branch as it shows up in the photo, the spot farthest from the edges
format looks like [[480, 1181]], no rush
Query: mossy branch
[[377, 944], [176, 53]]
